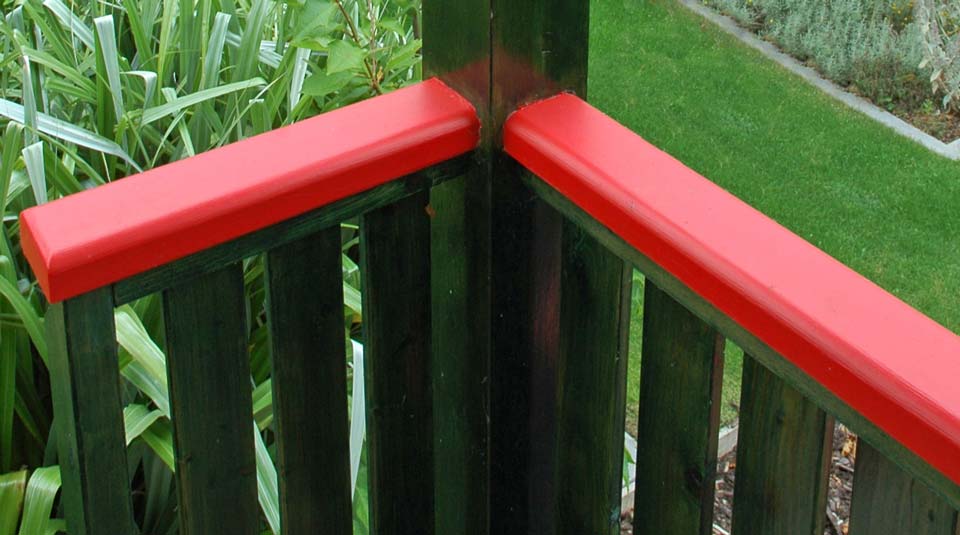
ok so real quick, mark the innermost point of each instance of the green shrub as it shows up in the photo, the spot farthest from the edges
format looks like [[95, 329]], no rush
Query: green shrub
[[875, 47], [939, 23]]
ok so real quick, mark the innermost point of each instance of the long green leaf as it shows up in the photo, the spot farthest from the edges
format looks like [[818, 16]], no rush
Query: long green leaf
[[38, 503], [136, 419], [33, 159], [70, 133], [159, 437], [70, 21], [159, 112], [267, 490], [211, 62], [106, 38], [12, 488], [148, 368], [29, 108], [31, 320]]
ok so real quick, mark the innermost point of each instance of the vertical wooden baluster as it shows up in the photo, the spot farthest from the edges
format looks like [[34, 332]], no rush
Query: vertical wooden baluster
[[682, 369], [783, 457], [305, 309], [84, 372], [211, 404], [887, 501], [594, 340], [395, 266]]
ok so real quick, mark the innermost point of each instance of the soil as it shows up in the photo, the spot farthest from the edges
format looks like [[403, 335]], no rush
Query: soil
[[838, 497], [943, 126]]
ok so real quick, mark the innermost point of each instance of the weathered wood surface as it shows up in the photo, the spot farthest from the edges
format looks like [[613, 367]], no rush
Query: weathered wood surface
[[85, 382], [305, 310], [679, 419], [887, 501], [211, 404], [783, 458], [395, 267]]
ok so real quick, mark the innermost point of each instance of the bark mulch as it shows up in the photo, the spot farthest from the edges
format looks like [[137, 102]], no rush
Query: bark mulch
[[838, 497]]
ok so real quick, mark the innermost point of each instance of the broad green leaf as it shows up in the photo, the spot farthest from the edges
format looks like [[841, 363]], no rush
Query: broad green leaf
[[158, 112], [65, 131], [159, 437], [31, 320], [404, 55], [352, 299], [148, 368], [70, 21], [12, 489], [315, 19], [38, 502], [267, 490], [33, 159], [136, 419], [344, 56], [321, 84]]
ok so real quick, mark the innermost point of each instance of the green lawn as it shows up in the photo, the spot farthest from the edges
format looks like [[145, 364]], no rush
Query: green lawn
[[879, 203]]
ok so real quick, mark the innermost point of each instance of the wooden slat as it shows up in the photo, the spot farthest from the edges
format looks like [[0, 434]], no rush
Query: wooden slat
[[211, 404], [305, 310], [594, 340], [85, 378], [395, 266], [297, 228], [681, 374], [783, 456], [887, 501]]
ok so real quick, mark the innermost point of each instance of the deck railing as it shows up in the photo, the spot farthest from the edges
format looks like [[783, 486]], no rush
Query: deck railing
[[496, 263]]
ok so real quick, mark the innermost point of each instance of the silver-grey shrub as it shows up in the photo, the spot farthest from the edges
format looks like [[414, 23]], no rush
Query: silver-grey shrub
[[853, 42]]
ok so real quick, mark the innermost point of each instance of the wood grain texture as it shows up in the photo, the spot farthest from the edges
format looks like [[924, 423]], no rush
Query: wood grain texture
[[305, 311], [783, 457], [285, 232], [85, 380], [395, 268], [783, 368], [679, 419], [456, 48], [887, 501], [211, 404], [594, 346]]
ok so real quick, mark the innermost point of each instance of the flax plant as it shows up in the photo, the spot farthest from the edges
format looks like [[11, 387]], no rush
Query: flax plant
[[93, 92]]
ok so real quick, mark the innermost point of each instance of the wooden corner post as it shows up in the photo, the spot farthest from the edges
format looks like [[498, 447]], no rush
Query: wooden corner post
[[530, 314]]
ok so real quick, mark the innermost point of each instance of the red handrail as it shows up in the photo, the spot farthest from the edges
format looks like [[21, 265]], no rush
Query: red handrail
[[98, 237], [889, 362]]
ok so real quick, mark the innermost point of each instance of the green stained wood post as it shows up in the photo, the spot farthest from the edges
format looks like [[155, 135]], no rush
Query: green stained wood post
[[305, 311], [211, 404], [85, 377], [783, 456], [887, 501], [504, 272], [395, 271], [681, 374]]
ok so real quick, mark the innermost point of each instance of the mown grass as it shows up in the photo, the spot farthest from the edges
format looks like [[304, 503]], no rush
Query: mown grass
[[879, 203]]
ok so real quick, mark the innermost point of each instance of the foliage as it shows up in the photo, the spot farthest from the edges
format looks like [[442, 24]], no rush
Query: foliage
[[92, 92], [875, 46], [939, 22]]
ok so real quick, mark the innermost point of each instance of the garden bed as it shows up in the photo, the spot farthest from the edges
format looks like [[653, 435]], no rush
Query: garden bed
[[879, 51]]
